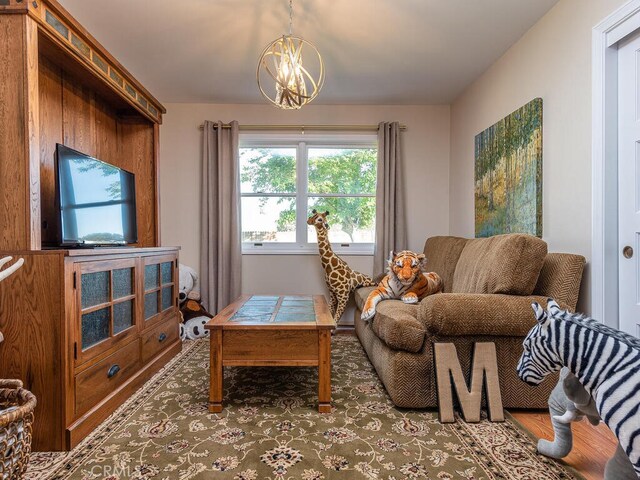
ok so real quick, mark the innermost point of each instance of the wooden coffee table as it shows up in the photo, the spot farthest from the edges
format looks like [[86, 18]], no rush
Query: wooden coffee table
[[272, 331]]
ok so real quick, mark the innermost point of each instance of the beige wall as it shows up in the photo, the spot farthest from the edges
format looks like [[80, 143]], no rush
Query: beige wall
[[553, 61], [426, 151]]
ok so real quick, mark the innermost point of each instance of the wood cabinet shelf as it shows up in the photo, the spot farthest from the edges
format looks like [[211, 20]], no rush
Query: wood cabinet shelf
[[79, 329], [61, 86], [65, 338]]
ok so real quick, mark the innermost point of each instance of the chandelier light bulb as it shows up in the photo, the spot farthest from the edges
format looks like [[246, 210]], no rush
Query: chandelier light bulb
[[282, 77]]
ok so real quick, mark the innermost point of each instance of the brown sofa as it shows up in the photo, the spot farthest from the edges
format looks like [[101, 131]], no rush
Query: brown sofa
[[489, 285]]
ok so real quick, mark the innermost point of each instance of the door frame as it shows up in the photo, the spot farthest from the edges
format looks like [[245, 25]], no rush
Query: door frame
[[604, 162]]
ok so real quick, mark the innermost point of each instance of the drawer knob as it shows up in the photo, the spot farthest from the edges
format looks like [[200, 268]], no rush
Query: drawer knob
[[162, 337], [113, 370]]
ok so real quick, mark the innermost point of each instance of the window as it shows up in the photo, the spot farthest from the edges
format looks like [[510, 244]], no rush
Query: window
[[284, 178]]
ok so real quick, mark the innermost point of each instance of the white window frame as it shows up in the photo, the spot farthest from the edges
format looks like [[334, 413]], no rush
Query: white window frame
[[302, 142]]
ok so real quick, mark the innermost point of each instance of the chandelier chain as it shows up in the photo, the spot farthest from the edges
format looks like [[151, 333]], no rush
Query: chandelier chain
[[290, 17]]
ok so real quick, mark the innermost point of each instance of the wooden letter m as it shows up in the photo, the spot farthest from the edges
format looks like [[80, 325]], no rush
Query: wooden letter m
[[484, 369]]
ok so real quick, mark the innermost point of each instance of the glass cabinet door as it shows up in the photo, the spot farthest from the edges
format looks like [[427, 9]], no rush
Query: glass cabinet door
[[159, 287], [106, 293]]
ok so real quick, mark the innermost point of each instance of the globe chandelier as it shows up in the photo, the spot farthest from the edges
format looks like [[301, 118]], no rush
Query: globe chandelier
[[282, 77]]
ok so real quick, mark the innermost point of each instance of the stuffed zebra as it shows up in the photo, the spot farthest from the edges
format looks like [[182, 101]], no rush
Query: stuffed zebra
[[570, 402], [604, 360]]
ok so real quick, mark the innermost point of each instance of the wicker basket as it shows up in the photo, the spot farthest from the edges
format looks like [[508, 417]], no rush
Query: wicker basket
[[16, 419]]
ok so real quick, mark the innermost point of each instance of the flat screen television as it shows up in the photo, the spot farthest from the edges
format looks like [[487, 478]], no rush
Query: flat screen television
[[95, 201]]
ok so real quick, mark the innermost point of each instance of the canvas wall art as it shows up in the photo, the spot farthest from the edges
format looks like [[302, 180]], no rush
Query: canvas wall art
[[508, 174]]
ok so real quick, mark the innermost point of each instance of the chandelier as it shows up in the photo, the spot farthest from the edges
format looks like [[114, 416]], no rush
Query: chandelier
[[282, 78]]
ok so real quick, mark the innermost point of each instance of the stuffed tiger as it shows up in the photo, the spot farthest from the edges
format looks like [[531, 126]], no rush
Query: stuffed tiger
[[406, 280]]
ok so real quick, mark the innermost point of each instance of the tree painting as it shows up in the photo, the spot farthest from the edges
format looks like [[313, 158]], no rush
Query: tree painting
[[508, 174]]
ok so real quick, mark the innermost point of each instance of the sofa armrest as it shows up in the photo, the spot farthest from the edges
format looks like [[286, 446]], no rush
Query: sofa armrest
[[453, 314]]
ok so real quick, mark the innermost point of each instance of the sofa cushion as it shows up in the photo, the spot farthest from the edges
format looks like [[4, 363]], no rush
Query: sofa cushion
[[442, 256], [560, 278], [478, 314], [360, 296], [397, 325], [508, 264]]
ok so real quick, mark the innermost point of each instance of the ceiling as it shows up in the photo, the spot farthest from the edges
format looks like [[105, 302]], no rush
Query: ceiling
[[375, 51]]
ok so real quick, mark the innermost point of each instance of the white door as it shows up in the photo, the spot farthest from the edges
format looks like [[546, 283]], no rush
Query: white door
[[629, 183]]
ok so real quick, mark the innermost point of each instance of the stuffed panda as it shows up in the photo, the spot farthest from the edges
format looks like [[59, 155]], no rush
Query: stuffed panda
[[195, 317], [194, 328], [189, 284]]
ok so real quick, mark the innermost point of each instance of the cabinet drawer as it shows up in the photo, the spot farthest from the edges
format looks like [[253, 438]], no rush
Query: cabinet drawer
[[160, 337], [107, 375]]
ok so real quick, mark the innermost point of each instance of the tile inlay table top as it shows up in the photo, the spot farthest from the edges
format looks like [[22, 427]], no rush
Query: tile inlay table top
[[271, 330]]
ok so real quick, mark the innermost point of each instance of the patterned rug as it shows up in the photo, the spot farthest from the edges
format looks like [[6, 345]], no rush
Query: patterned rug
[[270, 429]]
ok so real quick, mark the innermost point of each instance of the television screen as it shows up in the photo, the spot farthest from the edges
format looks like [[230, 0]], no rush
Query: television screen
[[96, 201]]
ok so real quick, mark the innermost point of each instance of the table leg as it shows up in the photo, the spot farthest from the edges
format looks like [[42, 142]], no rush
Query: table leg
[[324, 371], [215, 373]]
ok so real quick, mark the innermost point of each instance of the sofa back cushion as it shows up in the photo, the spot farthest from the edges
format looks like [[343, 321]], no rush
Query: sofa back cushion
[[560, 278], [442, 256], [508, 264]]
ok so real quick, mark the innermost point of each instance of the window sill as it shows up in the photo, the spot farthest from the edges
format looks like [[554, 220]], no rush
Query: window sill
[[348, 251]]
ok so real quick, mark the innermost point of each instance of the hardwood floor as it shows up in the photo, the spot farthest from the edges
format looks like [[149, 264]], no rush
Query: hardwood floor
[[592, 446]]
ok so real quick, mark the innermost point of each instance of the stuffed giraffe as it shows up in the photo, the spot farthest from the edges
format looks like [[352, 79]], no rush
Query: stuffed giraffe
[[340, 278]]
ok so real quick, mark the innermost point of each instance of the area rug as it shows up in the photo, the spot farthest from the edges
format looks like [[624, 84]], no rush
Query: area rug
[[270, 429]]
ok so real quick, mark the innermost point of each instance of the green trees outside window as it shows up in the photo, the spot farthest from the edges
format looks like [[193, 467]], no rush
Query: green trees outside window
[[280, 187]]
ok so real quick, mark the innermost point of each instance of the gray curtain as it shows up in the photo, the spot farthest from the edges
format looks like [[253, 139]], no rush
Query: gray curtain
[[220, 255], [391, 226]]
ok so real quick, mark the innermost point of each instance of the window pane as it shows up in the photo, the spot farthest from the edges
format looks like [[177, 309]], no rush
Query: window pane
[[122, 316], [268, 219], [268, 170], [351, 219], [151, 279], [150, 304], [122, 282], [95, 327], [94, 289], [167, 298], [165, 272], [342, 170]]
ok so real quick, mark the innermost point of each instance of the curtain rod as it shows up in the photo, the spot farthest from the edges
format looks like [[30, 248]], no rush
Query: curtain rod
[[352, 128]]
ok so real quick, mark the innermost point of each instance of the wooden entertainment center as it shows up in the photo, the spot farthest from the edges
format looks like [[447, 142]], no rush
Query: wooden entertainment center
[[82, 328]]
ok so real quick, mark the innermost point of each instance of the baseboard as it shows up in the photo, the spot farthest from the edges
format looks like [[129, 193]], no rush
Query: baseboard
[[345, 330]]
